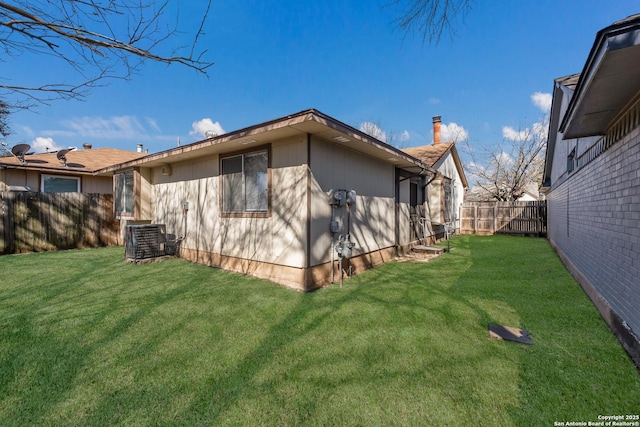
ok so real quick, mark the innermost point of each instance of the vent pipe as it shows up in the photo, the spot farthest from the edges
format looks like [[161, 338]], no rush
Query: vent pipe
[[436, 130], [86, 146], [139, 150]]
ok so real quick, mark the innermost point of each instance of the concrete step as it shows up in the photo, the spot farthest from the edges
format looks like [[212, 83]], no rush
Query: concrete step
[[431, 250]]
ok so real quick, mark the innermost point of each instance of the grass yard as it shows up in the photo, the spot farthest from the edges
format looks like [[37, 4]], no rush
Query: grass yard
[[87, 339]]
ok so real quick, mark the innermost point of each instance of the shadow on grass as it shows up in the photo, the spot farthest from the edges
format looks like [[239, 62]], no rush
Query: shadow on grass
[[402, 344], [576, 369], [48, 334]]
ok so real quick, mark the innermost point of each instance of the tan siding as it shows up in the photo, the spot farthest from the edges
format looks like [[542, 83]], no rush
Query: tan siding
[[22, 177], [89, 184], [434, 200], [97, 184], [372, 221], [278, 239], [289, 203], [404, 217]]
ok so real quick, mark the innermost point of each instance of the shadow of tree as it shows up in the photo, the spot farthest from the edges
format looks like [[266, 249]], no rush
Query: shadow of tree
[[96, 341]]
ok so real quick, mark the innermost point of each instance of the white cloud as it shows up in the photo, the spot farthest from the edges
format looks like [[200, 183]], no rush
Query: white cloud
[[539, 131], [153, 124], [405, 136], [40, 145], [542, 101], [373, 130], [511, 134], [453, 132], [116, 127], [202, 126], [434, 101]]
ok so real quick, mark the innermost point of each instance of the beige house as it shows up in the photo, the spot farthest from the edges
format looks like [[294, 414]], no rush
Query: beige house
[[446, 189], [73, 172], [281, 200]]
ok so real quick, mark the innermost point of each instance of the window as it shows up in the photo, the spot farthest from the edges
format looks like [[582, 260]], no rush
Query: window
[[245, 183], [571, 160], [60, 184], [123, 201]]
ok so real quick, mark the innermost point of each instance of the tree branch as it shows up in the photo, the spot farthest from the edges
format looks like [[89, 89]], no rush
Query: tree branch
[[124, 30]]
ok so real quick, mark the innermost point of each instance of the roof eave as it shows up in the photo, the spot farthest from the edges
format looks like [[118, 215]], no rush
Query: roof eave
[[585, 115], [459, 166], [294, 122]]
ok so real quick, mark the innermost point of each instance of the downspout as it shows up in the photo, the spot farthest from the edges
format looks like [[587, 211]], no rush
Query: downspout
[[307, 261], [397, 212]]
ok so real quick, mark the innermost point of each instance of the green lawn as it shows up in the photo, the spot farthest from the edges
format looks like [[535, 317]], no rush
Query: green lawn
[[88, 339]]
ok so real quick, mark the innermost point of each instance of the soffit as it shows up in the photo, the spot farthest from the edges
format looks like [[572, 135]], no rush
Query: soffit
[[608, 83], [613, 85]]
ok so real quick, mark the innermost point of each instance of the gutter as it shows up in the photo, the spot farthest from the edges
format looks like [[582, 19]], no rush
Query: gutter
[[600, 47]]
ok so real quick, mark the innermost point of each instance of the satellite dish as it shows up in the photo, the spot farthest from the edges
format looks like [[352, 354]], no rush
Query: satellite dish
[[62, 156], [20, 150]]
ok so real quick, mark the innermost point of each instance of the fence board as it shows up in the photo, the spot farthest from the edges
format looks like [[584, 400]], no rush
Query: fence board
[[528, 218], [35, 222]]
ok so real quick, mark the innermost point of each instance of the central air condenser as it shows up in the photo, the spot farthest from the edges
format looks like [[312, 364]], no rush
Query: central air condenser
[[145, 241]]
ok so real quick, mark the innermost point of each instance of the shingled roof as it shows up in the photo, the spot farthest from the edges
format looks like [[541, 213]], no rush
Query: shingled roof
[[569, 81], [429, 154], [78, 161], [432, 154]]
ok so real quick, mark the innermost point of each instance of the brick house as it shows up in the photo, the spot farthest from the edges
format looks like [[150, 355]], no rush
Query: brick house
[[592, 177]]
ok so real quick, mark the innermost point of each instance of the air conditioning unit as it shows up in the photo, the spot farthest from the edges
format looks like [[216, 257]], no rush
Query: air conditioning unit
[[145, 241]]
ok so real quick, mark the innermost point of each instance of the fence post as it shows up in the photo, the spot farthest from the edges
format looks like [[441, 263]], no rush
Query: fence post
[[475, 219], [9, 226], [495, 218]]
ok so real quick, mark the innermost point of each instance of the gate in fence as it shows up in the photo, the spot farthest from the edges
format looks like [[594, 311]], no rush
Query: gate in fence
[[525, 218]]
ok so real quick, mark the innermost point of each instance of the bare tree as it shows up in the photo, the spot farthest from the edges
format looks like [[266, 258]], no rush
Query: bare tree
[[431, 18], [505, 172], [377, 130], [97, 39], [4, 125]]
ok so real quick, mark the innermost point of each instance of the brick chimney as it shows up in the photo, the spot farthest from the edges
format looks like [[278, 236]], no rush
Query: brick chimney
[[436, 130]]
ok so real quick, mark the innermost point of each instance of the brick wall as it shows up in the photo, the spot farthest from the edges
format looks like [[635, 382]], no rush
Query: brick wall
[[594, 221]]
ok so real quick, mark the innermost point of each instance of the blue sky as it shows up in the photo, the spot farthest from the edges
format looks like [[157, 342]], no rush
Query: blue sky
[[344, 58]]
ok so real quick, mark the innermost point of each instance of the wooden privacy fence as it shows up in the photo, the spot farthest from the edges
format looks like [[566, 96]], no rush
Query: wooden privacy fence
[[527, 218], [35, 222]]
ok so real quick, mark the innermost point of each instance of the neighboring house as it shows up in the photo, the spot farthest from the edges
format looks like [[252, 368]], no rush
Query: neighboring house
[[530, 194], [592, 177], [46, 173], [445, 190], [275, 199]]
